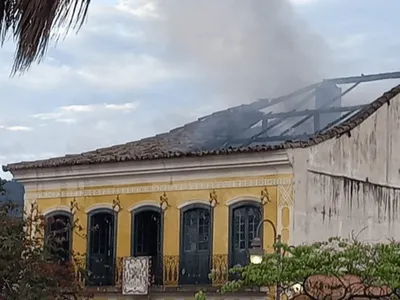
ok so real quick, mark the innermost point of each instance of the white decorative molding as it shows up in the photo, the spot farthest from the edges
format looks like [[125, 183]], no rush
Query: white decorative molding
[[99, 206], [193, 201], [285, 192], [243, 198], [135, 276], [192, 186], [144, 203], [63, 208]]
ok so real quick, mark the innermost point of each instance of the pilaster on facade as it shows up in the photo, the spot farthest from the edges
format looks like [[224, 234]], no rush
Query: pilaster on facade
[[285, 211]]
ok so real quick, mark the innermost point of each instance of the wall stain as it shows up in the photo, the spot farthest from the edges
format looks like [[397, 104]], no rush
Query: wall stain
[[344, 197]]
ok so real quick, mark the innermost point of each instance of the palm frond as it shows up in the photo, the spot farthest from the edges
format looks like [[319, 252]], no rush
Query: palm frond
[[32, 24]]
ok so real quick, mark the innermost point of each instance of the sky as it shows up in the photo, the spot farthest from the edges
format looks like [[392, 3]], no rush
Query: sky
[[141, 67]]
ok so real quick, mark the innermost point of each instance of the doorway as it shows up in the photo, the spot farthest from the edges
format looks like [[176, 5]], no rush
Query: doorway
[[196, 245], [101, 248], [147, 239]]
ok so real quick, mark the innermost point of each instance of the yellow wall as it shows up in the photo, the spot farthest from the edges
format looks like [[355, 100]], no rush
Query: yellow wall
[[272, 209]]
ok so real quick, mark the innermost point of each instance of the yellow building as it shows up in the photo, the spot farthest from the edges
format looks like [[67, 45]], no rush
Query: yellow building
[[191, 215]]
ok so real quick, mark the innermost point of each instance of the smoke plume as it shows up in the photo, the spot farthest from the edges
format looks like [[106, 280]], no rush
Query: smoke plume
[[242, 49]]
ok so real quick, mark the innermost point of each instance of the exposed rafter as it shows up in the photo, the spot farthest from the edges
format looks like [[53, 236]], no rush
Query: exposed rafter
[[312, 112], [327, 103], [264, 102], [365, 78], [272, 120]]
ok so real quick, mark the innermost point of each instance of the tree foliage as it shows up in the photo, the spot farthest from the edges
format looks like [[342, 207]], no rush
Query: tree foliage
[[30, 265], [33, 23], [335, 269]]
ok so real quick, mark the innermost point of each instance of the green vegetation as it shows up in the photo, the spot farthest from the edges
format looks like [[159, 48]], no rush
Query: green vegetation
[[335, 269], [30, 265]]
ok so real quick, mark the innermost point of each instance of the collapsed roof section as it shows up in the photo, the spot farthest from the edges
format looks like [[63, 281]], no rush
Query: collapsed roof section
[[301, 118], [304, 113]]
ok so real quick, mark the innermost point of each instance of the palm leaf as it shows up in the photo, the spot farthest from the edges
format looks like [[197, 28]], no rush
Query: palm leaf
[[32, 24]]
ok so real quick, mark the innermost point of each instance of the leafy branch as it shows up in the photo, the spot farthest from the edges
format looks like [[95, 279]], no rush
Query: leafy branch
[[32, 263], [334, 269]]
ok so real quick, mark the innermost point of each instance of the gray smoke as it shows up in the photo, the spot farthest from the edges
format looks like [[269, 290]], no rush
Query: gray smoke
[[243, 49]]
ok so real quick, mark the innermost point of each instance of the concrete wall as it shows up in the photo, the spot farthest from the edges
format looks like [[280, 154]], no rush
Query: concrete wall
[[350, 184]]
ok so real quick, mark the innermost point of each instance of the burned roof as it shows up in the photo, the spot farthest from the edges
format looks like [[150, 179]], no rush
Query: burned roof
[[264, 125]]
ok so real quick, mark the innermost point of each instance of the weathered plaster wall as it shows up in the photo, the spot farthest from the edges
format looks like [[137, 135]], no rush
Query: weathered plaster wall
[[351, 184]]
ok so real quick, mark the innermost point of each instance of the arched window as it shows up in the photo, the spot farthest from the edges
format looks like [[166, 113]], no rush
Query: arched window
[[101, 247], [146, 238], [196, 244], [58, 235], [244, 219]]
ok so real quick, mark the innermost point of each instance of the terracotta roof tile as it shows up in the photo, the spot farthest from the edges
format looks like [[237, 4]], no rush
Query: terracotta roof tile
[[189, 140]]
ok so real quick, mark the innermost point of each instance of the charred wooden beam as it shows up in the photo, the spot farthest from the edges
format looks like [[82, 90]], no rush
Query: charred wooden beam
[[325, 105], [312, 112], [278, 120], [264, 103], [365, 78]]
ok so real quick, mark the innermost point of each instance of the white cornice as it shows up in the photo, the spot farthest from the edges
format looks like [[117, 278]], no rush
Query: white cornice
[[166, 170], [153, 166]]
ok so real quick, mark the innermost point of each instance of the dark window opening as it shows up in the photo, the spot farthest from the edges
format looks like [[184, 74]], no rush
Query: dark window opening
[[147, 241], [244, 222], [101, 252], [59, 237]]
